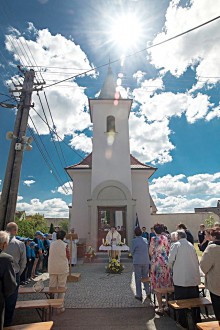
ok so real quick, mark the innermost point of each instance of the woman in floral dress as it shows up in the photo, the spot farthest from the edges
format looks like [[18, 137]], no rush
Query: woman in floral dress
[[160, 272]]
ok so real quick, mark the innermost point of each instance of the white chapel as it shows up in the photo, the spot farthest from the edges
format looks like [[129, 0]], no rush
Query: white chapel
[[110, 186]]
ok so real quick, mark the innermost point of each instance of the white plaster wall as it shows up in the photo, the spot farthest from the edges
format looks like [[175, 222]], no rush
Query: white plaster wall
[[141, 194], [191, 220], [110, 162], [80, 210]]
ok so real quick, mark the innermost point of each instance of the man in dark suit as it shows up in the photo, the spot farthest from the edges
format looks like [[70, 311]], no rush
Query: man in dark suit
[[7, 275], [141, 261]]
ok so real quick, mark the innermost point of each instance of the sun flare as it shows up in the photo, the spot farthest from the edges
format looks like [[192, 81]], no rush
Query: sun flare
[[126, 31]]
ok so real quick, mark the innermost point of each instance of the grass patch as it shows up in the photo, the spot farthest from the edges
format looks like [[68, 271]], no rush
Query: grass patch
[[199, 253]]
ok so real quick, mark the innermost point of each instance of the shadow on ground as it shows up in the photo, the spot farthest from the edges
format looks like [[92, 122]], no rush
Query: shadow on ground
[[104, 319]]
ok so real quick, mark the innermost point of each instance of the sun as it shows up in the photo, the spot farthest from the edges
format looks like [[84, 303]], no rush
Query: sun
[[126, 32]]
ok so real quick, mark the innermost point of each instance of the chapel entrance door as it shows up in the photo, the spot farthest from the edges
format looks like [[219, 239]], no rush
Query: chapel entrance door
[[108, 217]]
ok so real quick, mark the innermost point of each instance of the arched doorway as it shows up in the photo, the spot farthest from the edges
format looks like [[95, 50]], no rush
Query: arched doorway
[[111, 205], [109, 216]]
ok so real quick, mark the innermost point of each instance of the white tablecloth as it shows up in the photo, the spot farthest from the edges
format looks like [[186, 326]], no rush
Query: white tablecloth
[[114, 248]]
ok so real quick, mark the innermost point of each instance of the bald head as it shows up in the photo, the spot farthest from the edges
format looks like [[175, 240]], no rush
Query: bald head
[[12, 228]]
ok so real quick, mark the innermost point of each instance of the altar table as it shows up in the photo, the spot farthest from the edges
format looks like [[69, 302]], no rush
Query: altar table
[[114, 248]]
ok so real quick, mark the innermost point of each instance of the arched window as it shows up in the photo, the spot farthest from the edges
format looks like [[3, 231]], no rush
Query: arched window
[[110, 124]]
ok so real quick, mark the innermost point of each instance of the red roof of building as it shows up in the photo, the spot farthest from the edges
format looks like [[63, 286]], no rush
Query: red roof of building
[[86, 163]]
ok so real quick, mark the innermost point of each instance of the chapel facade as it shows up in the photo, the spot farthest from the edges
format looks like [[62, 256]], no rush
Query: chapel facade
[[110, 186]]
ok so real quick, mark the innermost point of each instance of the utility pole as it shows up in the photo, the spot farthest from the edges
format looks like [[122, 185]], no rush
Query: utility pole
[[18, 144]]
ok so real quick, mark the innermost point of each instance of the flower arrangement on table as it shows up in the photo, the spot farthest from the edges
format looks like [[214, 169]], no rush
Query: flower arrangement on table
[[120, 244], [105, 243], [114, 267], [90, 254]]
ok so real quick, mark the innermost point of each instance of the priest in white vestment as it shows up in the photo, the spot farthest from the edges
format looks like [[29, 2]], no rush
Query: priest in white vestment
[[113, 238], [75, 240]]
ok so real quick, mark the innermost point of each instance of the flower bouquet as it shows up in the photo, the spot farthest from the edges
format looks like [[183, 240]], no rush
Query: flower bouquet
[[120, 244], [105, 243], [114, 267]]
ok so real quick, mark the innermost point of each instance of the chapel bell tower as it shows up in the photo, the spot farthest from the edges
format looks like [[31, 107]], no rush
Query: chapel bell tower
[[111, 151]]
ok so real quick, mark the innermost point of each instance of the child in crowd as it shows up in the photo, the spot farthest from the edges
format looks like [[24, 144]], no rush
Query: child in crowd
[[33, 245]]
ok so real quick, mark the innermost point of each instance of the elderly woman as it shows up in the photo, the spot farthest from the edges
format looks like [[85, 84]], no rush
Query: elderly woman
[[210, 265], [8, 283], [160, 271], [141, 261]]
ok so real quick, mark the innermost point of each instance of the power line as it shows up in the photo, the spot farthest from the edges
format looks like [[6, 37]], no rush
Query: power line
[[19, 40], [54, 127], [140, 51], [73, 150], [55, 67], [45, 154], [54, 130]]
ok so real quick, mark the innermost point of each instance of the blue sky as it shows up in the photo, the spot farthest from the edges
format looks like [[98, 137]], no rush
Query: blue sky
[[174, 123]]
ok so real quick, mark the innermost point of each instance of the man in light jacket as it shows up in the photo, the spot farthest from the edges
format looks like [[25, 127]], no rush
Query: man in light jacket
[[7, 275], [186, 277], [17, 250], [58, 266], [141, 262]]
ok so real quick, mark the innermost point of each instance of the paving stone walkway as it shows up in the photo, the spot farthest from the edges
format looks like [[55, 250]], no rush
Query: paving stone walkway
[[97, 289], [101, 302]]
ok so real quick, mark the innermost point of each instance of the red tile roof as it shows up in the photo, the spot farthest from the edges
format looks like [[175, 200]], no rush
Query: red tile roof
[[86, 163]]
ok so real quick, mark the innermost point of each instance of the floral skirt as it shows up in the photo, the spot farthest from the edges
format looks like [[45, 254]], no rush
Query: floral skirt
[[160, 275]]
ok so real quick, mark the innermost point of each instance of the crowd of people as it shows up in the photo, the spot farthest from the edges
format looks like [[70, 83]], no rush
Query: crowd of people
[[171, 260], [23, 259]]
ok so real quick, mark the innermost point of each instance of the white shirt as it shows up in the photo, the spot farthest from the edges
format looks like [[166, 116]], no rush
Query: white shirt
[[57, 261], [184, 261]]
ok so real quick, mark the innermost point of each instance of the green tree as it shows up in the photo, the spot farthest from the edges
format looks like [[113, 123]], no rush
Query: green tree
[[64, 225], [210, 221], [51, 230], [32, 223]]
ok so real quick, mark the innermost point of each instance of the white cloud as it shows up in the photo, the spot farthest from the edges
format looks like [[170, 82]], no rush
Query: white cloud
[[167, 104], [150, 142], [180, 204], [19, 198], [215, 113], [67, 101], [81, 142], [139, 75], [199, 48], [0, 181], [179, 193], [28, 183], [55, 207], [66, 188]]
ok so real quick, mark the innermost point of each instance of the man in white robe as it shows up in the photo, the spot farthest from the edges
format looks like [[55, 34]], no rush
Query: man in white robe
[[75, 240], [113, 238]]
